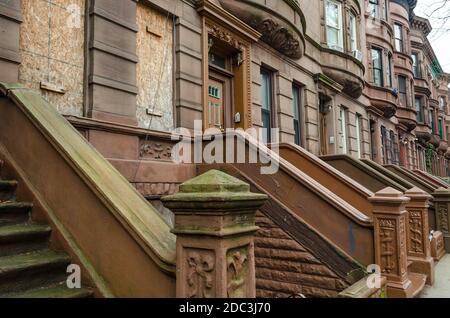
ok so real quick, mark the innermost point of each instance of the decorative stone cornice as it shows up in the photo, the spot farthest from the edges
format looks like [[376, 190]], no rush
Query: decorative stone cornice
[[422, 24]]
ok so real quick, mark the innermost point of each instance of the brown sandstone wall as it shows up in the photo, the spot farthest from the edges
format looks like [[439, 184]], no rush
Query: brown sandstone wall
[[284, 268]]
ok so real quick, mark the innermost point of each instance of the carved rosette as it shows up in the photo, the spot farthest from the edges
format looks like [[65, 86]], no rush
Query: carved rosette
[[237, 272], [200, 273]]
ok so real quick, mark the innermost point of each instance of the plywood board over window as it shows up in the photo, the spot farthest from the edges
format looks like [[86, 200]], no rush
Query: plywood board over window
[[52, 46], [155, 69]]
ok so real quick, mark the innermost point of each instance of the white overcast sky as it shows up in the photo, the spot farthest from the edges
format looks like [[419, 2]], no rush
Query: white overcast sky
[[440, 37]]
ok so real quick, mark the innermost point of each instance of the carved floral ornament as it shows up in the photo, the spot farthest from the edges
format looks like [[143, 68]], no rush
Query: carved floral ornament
[[200, 274], [237, 266], [227, 37]]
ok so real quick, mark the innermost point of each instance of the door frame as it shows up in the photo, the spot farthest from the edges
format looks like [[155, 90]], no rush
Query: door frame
[[221, 75]]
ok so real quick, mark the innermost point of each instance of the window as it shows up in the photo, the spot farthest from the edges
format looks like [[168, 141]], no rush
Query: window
[[398, 35], [441, 103], [353, 33], [373, 8], [358, 134], [431, 120], [334, 25], [377, 67], [441, 128], [385, 144], [343, 120], [267, 100], [388, 71], [395, 150], [416, 65], [402, 90], [419, 110], [296, 105]]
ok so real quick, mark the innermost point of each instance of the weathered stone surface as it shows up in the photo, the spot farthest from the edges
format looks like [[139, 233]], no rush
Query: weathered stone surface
[[284, 268]]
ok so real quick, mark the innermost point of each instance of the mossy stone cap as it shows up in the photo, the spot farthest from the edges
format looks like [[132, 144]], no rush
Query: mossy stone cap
[[214, 181]]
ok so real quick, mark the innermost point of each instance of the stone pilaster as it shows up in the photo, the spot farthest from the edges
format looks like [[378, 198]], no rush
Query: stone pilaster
[[441, 205], [10, 58], [215, 226], [417, 233], [389, 218]]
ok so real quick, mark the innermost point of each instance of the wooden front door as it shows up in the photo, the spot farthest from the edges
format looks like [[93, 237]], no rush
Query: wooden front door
[[323, 134], [219, 101]]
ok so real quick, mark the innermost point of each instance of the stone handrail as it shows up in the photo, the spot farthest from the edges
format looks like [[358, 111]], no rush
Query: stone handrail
[[336, 181], [100, 209]]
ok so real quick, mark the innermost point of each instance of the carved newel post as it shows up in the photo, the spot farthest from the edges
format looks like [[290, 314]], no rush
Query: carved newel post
[[215, 226], [419, 253], [441, 205], [389, 218]]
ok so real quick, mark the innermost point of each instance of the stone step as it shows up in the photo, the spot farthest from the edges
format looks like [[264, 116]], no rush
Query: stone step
[[418, 282], [53, 291], [32, 270], [23, 238], [14, 212], [7, 190]]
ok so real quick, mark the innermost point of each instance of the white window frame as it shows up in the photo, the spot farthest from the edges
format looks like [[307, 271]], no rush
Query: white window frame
[[343, 121], [358, 119], [353, 32], [339, 45]]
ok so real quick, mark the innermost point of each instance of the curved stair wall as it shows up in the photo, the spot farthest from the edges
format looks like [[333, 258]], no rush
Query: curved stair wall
[[337, 182], [363, 173], [430, 178], [291, 256], [120, 236]]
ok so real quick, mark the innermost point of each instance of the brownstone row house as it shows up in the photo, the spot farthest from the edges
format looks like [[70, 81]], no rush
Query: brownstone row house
[[354, 82]]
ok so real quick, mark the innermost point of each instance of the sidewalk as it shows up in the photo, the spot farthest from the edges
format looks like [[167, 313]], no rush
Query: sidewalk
[[441, 288]]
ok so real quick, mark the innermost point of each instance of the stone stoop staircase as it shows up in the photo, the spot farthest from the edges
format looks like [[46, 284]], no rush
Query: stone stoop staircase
[[28, 267]]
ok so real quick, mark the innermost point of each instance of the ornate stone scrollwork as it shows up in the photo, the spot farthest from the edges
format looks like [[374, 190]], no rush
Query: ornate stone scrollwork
[[156, 150], [200, 274], [284, 35], [280, 38]]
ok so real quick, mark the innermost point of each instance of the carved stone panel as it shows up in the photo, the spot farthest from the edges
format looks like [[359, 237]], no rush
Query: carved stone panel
[[415, 244], [443, 218], [200, 273], [156, 150], [388, 246], [237, 272]]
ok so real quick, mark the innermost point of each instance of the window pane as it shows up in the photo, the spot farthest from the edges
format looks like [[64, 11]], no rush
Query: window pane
[[332, 14], [265, 90], [332, 37], [353, 35], [376, 58]]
